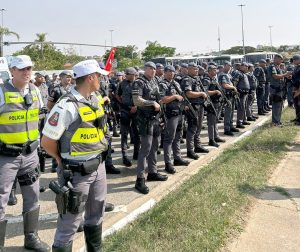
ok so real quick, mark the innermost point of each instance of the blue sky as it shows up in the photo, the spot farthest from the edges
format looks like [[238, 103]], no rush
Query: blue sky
[[190, 25]]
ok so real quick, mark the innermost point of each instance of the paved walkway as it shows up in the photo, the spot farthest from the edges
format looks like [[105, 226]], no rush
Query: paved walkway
[[274, 221]]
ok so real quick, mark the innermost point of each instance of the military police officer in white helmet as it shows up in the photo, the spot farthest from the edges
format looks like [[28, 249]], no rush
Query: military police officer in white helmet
[[20, 103], [74, 135]]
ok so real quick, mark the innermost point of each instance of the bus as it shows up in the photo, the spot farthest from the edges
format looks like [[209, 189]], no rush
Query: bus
[[234, 58], [257, 56], [177, 60]]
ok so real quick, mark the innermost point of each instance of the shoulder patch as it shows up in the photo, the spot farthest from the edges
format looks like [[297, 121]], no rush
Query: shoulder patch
[[53, 120]]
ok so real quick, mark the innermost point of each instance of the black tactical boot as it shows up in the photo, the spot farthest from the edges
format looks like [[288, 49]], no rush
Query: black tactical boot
[[126, 161], [213, 143], [228, 133], [219, 140], [12, 197], [233, 129], [63, 249], [201, 149], [192, 155], [2, 234], [156, 177], [169, 168], [246, 123], [179, 162], [93, 238], [109, 207], [141, 186], [111, 169], [240, 126], [32, 240], [251, 119], [261, 112]]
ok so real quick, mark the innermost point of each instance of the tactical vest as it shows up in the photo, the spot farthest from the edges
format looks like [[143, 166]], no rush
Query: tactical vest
[[195, 85], [85, 136], [18, 122], [252, 81], [275, 84], [175, 106], [243, 83], [126, 87], [150, 92]]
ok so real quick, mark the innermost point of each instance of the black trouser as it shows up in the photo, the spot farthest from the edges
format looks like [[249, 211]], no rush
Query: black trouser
[[128, 123]]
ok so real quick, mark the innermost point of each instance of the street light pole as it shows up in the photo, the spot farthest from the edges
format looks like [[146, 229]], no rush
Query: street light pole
[[219, 40], [271, 43], [243, 38], [1, 35], [111, 40]]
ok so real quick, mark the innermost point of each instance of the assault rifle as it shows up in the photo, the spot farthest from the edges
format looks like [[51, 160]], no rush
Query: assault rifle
[[187, 102]]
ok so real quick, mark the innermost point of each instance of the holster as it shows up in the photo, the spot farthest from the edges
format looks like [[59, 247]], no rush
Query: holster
[[84, 168]]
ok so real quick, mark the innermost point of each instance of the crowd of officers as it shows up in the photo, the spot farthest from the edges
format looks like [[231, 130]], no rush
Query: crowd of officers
[[157, 107]]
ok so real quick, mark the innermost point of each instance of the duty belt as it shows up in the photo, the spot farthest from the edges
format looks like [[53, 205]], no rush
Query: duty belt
[[83, 167], [14, 150]]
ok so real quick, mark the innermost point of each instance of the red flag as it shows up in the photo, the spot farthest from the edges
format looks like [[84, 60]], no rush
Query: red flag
[[110, 59]]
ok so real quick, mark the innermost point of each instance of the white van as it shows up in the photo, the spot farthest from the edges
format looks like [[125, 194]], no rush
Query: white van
[[4, 70]]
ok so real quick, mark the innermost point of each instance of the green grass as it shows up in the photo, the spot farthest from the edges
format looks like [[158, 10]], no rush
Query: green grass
[[205, 211]]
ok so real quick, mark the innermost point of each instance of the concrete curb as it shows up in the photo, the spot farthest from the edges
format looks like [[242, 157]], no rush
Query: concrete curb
[[145, 203]]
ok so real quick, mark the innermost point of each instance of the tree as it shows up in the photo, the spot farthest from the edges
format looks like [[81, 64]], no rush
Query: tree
[[5, 32], [154, 49], [239, 50], [126, 56]]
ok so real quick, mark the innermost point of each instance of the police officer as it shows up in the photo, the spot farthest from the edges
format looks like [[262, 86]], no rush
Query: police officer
[[128, 115], [55, 93], [40, 83], [173, 111], [260, 75], [296, 87], [113, 86], [289, 84], [267, 86], [240, 80], [146, 97], [251, 96], [159, 74], [60, 89], [18, 148], [74, 135], [276, 88], [230, 91], [214, 92], [182, 73], [193, 88]]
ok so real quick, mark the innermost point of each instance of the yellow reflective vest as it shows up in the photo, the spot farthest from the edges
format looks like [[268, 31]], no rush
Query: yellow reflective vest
[[86, 134], [18, 123]]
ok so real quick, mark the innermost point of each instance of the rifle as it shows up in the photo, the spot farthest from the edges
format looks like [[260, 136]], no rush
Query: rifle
[[208, 105], [188, 103], [225, 100]]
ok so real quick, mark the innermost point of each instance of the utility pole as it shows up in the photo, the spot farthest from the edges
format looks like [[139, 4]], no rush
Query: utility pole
[[219, 41], [111, 40], [270, 27], [243, 38], [1, 35]]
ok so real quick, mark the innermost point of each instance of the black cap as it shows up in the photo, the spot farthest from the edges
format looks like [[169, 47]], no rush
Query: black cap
[[244, 64], [184, 65], [226, 62], [150, 64], [296, 57], [212, 63], [169, 68], [278, 56], [250, 65], [66, 72], [130, 70], [262, 61], [211, 66], [42, 73], [158, 65], [192, 64]]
